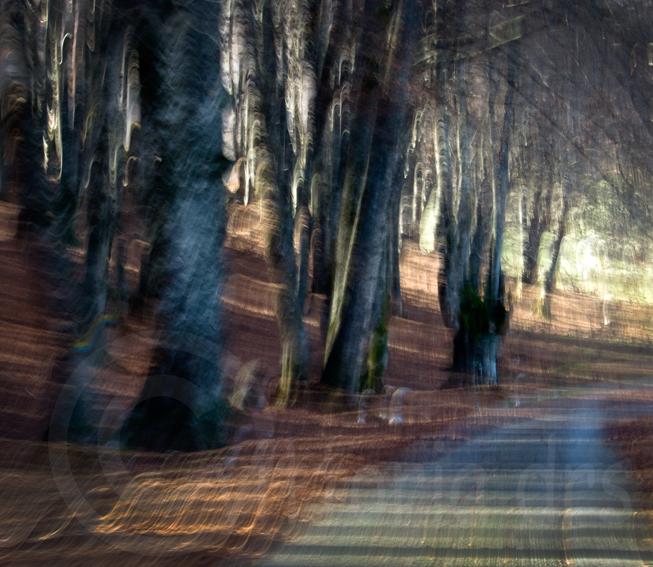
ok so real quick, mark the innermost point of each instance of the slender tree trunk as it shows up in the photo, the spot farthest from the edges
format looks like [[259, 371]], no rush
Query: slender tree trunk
[[394, 247], [460, 255], [522, 227], [532, 243], [448, 288], [539, 223], [72, 117], [428, 226], [552, 272], [457, 260], [155, 194], [282, 263], [483, 229]]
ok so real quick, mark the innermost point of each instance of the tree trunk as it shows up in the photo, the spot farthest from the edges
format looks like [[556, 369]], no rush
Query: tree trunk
[[282, 263], [377, 357], [100, 234], [495, 301], [362, 243], [343, 353], [552, 272], [181, 406], [428, 226], [483, 320], [394, 248], [482, 232], [539, 223], [448, 287], [326, 178], [475, 356], [281, 183], [23, 37], [72, 116]]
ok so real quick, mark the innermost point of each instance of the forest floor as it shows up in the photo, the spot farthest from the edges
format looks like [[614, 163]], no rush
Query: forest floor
[[73, 505]]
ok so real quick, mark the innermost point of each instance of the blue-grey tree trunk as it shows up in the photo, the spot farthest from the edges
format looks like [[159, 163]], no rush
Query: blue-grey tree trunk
[[182, 405]]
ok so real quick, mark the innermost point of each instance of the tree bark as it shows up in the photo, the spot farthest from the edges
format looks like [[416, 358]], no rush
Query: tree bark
[[288, 217], [374, 156], [484, 320], [181, 405], [448, 288], [538, 224], [483, 229], [552, 272]]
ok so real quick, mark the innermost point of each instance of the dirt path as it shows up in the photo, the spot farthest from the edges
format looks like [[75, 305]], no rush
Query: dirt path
[[546, 492]]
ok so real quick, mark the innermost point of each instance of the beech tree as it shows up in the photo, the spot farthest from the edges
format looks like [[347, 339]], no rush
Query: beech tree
[[182, 403], [361, 245]]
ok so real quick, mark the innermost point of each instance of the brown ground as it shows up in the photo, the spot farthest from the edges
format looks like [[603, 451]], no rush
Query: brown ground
[[72, 505], [633, 441]]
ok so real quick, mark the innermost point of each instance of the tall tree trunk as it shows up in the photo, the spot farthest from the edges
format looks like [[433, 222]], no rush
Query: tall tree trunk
[[182, 405], [100, 234], [483, 321], [374, 156], [72, 419], [284, 268], [324, 170], [483, 229], [428, 226], [343, 356], [459, 263], [287, 216], [71, 125], [394, 246], [155, 194], [24, 37]]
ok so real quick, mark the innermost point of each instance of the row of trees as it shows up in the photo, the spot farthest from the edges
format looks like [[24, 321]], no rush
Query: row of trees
[[353, 123]]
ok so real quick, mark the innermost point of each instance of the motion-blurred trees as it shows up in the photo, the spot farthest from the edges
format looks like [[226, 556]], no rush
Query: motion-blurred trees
[[495, 135]]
